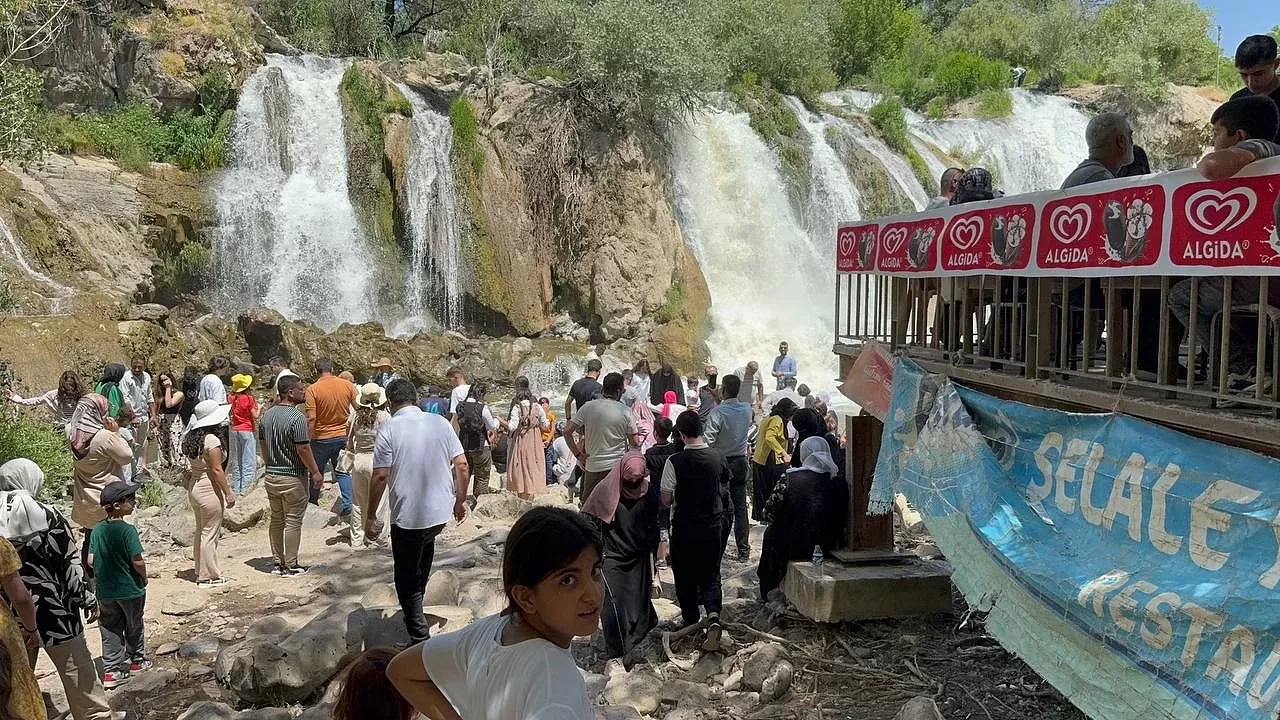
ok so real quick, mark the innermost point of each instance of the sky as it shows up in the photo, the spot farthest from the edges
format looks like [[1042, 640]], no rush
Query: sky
[[1240, 19]]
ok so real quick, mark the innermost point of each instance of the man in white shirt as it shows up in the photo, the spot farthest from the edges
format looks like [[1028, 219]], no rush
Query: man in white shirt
[[609, 430], [280, 369], [418, 459], [458, 379], [135, 390]]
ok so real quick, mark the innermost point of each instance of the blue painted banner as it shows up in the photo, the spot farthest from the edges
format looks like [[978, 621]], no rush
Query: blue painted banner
[[1153, 555]]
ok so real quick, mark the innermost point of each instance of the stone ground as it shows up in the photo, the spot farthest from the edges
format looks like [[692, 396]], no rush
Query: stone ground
[[859, 671]]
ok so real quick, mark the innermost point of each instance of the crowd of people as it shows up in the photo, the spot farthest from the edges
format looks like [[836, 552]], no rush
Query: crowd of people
[[1245, 129], [666, 470]]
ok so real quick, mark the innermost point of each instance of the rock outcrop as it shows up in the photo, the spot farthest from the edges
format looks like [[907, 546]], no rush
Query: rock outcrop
[[1174, 131]]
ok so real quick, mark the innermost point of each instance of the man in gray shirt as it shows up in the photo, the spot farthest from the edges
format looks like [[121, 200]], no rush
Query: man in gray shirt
[[1110, 141], [727, 429], [608, 429]]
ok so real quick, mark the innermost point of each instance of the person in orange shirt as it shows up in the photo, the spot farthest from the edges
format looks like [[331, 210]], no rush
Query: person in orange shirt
[[329, 401]]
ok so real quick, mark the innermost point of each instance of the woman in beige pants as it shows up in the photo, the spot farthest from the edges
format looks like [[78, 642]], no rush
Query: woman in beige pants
[[205, 445], [362, 429]]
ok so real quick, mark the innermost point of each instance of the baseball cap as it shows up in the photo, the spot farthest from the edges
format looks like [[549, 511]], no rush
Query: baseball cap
[[117, 491]]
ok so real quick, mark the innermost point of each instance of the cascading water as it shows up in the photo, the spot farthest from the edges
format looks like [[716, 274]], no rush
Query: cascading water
[[433, 291], [288, 237], [59, 295], [1033, 149], [770, 280], [832, 198]]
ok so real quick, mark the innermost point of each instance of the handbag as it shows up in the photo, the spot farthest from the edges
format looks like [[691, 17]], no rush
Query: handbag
[[346, 462]]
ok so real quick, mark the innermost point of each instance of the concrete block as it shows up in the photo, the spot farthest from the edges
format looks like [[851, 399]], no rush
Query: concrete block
[[835, 592]]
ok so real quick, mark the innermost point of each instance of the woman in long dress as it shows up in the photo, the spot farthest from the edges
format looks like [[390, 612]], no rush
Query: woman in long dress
[[171, 426], [629, 516], [526, 461]]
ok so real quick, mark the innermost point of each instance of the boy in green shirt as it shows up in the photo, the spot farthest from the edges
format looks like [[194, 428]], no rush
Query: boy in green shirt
[[116, 555]]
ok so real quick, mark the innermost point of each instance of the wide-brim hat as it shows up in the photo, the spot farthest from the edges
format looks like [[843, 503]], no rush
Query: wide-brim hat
[[208, 413], [372, 395], [240, 381], [382, 362]]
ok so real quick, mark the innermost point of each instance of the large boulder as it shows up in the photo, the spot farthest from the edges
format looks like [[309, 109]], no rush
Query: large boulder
[[637, 689], [249, 510], [260, 671]]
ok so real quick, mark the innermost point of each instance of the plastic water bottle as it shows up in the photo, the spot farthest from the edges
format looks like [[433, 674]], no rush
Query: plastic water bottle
[[817, 554]]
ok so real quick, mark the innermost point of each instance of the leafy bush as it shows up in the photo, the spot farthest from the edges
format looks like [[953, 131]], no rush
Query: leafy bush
[[936, 109], [134, 136], [151, 494], [24, 437], [995, 104], [963, 75], [887, 117], [867, 32], [373, 99], [785, 43]]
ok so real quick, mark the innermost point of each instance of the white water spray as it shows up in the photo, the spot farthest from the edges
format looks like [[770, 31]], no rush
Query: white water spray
[[288, 237]]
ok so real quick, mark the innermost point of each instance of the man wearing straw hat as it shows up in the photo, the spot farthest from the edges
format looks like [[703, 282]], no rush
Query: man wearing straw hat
[[386, 372]]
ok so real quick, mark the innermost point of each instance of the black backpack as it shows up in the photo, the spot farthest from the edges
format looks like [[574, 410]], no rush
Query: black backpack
[[472, 430]]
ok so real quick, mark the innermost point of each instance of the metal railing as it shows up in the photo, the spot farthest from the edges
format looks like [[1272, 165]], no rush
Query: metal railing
[[1169, 338]]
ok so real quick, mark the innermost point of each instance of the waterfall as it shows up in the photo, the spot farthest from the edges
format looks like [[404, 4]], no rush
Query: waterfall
[[1033, 149], [288, 237], [433, 291], [60, 295], [770, 279], [832, 198]]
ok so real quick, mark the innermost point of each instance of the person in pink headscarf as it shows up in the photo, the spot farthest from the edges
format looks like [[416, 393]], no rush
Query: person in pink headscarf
[[670, 407], [628, 514], [643, 414]]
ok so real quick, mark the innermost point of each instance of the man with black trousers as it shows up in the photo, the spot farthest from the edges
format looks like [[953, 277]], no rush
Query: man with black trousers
[[727, 429], [417, 457], [695, 485]]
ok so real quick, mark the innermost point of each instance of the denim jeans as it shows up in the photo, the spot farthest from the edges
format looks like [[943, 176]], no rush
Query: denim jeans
[[412, 552], [122, 636], [244, 460], [327, 452]]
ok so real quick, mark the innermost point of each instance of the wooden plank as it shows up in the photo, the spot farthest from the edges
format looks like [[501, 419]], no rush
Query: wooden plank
[[865, 532]]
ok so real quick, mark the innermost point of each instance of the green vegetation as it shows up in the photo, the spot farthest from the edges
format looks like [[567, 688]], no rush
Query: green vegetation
[[372, 99], [134, 135], [466, 147], [31, 435], [777, 125], [887, 117], [672, 302], [995, 104], [151, 494]]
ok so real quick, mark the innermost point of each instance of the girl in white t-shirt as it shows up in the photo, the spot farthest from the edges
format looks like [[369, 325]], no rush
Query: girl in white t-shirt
[[516, 665]]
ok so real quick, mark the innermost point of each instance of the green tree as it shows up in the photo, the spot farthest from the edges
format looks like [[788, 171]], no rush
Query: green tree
[[784, 42], [1153, 42], [27, 28], [869, 32], [993, 28]]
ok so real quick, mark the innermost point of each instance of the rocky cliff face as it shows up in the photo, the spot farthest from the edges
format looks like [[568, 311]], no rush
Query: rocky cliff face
[[1175, 132]]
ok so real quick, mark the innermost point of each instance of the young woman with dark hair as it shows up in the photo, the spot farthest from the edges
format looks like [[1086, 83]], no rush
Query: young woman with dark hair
[[205, 446], [516, 664]]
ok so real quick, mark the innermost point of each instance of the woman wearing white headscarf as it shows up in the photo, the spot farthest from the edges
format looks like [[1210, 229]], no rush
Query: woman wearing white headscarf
[[52, 572], [807, 509]]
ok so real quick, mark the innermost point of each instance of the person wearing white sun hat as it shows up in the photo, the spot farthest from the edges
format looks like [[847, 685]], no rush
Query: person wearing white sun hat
[[205, 445], [362, 428]]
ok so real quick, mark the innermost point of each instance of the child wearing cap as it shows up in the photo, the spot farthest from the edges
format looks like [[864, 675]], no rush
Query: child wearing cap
[[245, 411], [115, 551]]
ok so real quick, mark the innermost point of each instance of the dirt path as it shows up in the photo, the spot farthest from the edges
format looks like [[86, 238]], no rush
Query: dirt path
[[859, 671]]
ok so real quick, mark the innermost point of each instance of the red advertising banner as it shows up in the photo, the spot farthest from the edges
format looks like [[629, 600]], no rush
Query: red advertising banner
[[1174, 223], [1116, 229], [856, 247], [1225, 223], [910, 247], [996, 238]]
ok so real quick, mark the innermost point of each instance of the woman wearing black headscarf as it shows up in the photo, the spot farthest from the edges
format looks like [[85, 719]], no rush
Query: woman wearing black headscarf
[[665, 379]]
